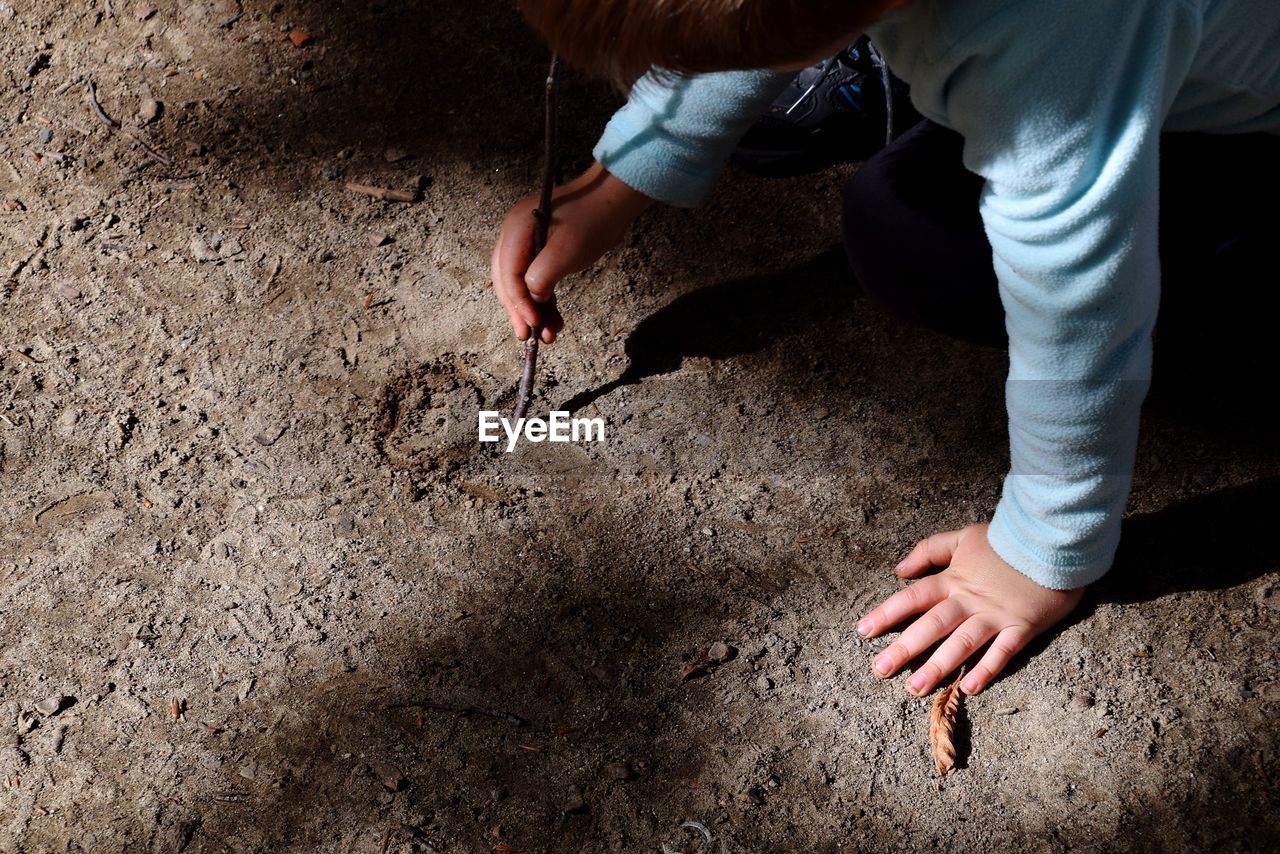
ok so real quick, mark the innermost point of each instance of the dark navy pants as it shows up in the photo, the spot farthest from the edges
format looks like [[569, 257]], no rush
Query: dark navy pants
[[917, 246]]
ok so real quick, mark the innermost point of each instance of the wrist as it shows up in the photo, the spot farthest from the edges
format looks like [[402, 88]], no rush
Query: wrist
[[622, 197]]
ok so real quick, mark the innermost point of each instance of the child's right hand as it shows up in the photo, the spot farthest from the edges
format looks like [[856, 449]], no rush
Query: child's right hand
[[590, 214]]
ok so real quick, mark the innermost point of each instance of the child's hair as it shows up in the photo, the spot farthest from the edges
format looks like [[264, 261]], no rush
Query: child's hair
[[622, 39]]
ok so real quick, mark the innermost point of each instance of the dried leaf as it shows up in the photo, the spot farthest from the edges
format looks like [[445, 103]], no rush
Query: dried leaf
[[706, 659], [942, 726], [696, 665]]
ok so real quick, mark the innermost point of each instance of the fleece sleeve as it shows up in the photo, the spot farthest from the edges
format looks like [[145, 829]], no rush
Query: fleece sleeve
[[672, 138], [1064, 124]]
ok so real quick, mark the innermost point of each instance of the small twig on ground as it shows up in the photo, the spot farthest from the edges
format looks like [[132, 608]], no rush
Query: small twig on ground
[[230, 22], [74, 81], [115, 127], [97, 107], [275, 271], [542, 217], [383, 194]]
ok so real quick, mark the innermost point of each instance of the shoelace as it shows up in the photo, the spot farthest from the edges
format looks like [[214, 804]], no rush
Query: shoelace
[[881, 66]]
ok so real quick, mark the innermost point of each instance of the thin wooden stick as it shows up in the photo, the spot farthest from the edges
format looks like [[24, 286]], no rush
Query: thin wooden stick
[[383, 194], [542, 217], [114, 126]]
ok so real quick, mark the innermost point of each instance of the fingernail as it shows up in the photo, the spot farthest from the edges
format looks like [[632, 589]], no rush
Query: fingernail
[[900, 565], [882, 665], [916, 682], [864, 627], [969, 685]]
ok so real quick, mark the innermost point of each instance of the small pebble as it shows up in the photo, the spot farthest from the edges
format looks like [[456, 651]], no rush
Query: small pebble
[[389, 775], [202, 251], [719, 651], [149, 110], [1008, 710], [1081, 701], [51, 705], [619, 771], [45, 136]]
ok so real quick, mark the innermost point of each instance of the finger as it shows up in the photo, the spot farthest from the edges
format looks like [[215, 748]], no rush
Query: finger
[[513, 260], [1006, 645], [921, 596], [955, 650], [934, 625], [552, 321], [518, 326], [928, 553]]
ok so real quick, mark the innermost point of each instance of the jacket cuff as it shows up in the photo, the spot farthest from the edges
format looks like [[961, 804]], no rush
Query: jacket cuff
[[1013, 535], [656, 165]]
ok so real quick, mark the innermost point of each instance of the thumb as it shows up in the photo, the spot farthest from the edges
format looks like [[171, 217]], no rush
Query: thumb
[[542, 276], [928, 553]]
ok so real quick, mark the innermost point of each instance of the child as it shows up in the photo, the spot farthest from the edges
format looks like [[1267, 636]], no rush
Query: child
[[1025, 208]]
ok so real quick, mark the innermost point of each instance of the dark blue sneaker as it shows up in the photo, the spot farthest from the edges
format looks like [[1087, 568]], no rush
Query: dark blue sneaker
[[832, 112]]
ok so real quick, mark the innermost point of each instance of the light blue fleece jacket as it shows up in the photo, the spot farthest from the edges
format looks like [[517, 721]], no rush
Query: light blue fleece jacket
[[1061, 105]]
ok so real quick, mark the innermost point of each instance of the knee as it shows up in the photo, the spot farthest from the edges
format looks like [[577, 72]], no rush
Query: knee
[[873, 246], [923, 259]]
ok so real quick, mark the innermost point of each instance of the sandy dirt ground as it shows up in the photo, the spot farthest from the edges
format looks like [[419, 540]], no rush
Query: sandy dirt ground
[[262, 590]]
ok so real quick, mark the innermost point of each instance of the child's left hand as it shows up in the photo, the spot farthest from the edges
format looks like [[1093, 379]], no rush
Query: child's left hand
[[978, 596]]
